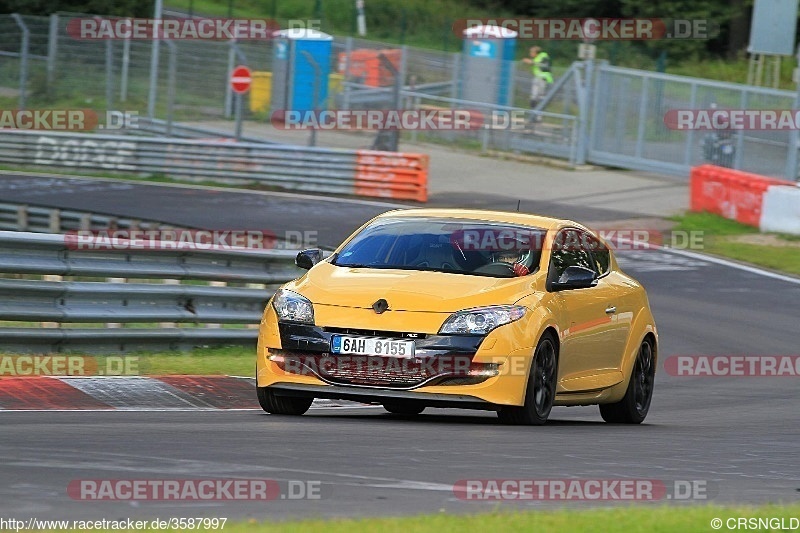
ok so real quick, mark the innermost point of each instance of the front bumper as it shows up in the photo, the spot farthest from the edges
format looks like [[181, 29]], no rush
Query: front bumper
[[336, 392], [468, 371]]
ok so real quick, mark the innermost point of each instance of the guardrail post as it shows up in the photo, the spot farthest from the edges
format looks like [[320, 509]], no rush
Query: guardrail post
[[169, 324], [85, 222], [216, 284], [115, 325], [54, 223], [50, 325], [22, 218]]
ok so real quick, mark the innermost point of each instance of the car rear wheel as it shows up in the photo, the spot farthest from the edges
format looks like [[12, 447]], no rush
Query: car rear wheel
[[541, 390], [633, 407], [403, 408], [282, 405]]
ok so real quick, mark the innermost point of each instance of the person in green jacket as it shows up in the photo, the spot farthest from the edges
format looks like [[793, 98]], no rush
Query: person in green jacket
[[542, 77]]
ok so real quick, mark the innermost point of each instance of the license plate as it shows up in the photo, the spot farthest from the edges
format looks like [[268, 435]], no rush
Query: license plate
[[342, 344]]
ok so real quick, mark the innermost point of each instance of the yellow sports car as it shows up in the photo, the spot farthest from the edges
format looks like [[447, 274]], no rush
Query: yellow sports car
[[489, 310]]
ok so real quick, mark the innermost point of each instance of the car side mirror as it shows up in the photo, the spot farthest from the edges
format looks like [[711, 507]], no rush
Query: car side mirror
[[575, 277], [308, 258]]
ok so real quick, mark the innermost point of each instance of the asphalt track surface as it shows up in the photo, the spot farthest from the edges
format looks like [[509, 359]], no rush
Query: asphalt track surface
[[739, 436], [228, 209]]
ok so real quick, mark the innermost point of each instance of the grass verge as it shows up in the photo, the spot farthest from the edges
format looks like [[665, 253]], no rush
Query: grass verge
[[640, 519], [231, 361], [728, 238]]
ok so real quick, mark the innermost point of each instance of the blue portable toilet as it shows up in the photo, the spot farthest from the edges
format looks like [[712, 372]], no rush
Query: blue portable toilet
[[294, 76], [488, 65]]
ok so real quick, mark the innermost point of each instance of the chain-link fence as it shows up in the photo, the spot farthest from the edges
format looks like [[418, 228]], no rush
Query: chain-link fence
[[593, 112], [629, 129]]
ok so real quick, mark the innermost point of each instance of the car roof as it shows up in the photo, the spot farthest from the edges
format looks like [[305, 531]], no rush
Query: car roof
[[508, 217]]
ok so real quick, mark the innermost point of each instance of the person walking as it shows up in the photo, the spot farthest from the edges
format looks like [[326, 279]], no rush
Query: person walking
[[542, 77]]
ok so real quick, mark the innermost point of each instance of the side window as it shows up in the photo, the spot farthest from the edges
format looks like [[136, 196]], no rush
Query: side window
[[600, 254], [569, 249]]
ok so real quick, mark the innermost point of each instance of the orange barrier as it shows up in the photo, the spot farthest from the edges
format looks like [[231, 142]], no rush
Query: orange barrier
[[733, 194], [392, 175], [366, 67]]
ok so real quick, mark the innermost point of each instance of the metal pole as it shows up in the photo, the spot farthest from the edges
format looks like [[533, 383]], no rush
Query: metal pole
[[361, 19], [584, 140], [393, 136], [153, 94], [126, 60], [109, 74], [348, 49], [737, 157], [228, 88], [52, 51], [23, 59], [790, 171], [173, 67], [238, 106]]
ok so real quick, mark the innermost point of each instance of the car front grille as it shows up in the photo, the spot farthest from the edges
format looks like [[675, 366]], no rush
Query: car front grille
[[384, 372]]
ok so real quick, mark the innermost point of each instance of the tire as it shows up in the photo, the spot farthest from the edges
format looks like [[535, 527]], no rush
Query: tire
[[541, 388], [282, 405], [633, 407], [403, 408]]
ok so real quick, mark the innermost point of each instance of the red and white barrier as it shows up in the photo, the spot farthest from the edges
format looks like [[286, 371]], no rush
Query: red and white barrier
[[781, 211], [769, 204]]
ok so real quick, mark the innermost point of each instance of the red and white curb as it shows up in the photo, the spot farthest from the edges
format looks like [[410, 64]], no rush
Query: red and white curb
[[162, 393]]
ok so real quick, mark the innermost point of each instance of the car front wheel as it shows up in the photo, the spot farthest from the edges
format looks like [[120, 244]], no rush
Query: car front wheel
[[282, 405], [633, 407], [541, 391]]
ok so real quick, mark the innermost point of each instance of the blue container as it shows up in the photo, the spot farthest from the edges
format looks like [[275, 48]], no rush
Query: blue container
[[300, 69], [488, 65]]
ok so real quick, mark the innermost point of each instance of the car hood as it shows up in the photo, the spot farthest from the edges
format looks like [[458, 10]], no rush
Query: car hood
[[407, 290]]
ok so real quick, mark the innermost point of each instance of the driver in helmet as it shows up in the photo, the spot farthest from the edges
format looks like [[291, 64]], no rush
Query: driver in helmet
[[516, 258]]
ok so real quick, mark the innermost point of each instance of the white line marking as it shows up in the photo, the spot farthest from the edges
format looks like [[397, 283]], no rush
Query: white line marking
[[733, 264], [720, 261]]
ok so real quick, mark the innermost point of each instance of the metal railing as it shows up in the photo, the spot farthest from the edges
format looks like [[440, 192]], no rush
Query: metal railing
[[338, 171], [163, 128], [143, 304], [23, 217]]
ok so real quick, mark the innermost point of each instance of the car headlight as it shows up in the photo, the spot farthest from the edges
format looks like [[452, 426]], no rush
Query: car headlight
[[481, 320], [293, 307]]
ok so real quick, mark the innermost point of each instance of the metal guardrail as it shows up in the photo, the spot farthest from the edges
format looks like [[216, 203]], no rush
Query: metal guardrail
[[355, 172], [41, 253], [142, 303], [23, 217], [163, 128]]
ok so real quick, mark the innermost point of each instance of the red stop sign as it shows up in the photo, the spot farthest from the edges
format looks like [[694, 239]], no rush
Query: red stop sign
[[241, 80]]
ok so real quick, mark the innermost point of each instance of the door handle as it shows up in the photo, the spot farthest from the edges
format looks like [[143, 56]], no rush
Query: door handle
[[611, 310]]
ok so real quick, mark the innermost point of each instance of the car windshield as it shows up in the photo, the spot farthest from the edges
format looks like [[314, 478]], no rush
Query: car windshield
[[459, 246]]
